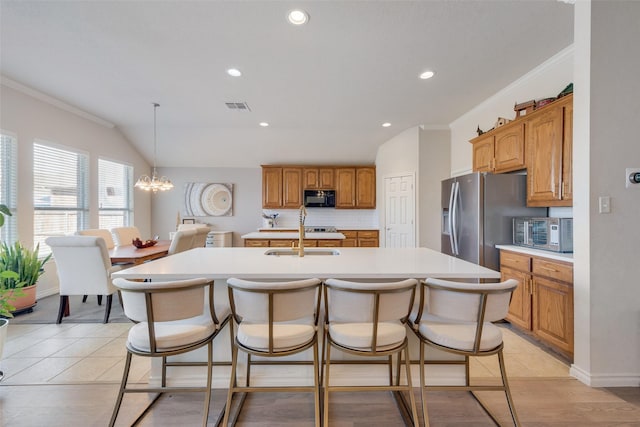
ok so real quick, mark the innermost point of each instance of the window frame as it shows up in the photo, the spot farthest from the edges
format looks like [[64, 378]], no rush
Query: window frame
[[82, 170], [127, 210], [9, 184]]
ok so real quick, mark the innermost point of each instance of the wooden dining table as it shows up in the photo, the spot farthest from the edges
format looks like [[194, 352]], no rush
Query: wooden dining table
[[129, 254]]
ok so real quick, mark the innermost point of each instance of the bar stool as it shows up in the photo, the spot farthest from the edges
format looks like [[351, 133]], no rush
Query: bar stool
[[368, 320], [458, 320], [274, 319], [171, 318]]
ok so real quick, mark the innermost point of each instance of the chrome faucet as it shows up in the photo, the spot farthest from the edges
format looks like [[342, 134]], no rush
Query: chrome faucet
[[303, 217]]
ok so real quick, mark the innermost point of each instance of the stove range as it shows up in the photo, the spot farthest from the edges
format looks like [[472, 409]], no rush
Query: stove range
[[320, 230]]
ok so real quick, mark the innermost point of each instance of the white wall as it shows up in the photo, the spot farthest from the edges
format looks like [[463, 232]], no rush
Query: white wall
[[434, 157], [30, 118], [608, 333], [546, 80], [398, 156], [247, 205], [425, 154]]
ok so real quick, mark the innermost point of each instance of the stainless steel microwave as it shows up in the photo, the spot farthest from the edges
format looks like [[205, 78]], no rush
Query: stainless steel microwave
[[551, 234], [320, 198]]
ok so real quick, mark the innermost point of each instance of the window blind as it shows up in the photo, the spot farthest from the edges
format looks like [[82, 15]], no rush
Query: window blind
[[60, 181], [115, 194], [9, 186]]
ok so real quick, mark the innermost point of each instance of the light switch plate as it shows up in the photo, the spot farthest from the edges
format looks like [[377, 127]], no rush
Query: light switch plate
[[604, 204], [627, 178]]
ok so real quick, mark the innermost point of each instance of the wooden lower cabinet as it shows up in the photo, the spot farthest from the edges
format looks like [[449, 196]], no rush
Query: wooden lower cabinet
[[361, 238], [542, 304], [353, 239]]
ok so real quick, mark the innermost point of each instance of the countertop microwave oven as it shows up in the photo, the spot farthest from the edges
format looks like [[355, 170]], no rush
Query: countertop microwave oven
[[551, 234], [320, 198]]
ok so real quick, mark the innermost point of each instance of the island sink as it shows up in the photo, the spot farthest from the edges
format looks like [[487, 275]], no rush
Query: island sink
[[307, 251]]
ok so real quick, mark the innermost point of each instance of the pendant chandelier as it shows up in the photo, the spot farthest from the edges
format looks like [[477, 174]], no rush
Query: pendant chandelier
[[154, 183]]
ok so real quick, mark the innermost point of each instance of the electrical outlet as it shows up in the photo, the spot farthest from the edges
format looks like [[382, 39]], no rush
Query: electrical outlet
[[632, 178]]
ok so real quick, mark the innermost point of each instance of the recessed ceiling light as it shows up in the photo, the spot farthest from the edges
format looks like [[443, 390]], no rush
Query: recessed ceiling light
[[386, 125], [264, 124], [427, 75], [234, 72], [298, 17]]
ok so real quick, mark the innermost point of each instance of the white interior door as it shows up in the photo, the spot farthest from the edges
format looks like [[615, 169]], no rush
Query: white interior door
[[399, 197]]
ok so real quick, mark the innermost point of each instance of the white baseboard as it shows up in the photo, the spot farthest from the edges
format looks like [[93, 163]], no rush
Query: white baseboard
[[604, 380]]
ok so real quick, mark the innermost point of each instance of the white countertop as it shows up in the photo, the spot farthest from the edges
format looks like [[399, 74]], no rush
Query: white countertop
[[351, 263], [558, 256], [289, 235]]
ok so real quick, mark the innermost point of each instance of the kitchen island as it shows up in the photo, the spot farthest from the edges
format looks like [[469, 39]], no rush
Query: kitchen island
[[347, 263], [371, 264]]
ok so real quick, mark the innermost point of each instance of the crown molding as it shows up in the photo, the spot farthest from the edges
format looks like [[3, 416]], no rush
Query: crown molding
[[5, 81]]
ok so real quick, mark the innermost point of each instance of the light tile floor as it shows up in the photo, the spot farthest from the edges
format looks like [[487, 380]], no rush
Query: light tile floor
[[95, 352]]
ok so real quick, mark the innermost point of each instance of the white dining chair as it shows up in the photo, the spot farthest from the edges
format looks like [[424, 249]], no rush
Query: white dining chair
[[458, 319], [99, 232], [84, 268], [172, 317], [367, 320], [125, 235], [200, 238], [275, 319], [182, 241]]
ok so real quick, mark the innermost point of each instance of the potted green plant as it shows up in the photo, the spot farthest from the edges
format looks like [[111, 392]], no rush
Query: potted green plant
[[20, 269]]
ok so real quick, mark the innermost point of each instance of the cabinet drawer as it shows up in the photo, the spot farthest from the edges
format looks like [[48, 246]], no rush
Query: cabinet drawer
[[256, 243], [349, 234], [330, 243], [515, 261], [368, 243], [368, 234], [553, 270], [280, 243]]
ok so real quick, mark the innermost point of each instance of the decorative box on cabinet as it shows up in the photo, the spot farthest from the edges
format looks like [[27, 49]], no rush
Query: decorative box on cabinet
[[543, 301]]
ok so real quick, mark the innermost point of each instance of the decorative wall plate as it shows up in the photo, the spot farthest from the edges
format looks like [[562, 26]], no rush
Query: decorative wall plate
[[208, 199]]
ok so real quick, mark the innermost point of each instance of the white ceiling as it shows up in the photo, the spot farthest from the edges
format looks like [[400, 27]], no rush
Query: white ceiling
[[325, 87]]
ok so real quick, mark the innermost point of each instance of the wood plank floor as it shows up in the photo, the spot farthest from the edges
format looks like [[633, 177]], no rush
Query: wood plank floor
[[540, 402]]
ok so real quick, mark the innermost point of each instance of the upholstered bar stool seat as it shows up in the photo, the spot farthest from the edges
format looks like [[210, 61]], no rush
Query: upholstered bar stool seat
[[368, 320], [274, 319], [457, 318], [172, 318]]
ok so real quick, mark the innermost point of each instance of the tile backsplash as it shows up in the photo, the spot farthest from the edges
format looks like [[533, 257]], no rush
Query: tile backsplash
[[345, 219]]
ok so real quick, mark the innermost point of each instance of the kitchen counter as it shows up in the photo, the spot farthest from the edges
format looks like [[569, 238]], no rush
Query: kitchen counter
[[292, 235], [351, 263], [558, 256]]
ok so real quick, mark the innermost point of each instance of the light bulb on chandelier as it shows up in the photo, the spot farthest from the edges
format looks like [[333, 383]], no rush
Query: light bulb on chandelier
[[154, 183]]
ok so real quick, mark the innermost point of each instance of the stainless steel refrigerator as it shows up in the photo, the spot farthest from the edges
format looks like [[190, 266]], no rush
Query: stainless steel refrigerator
[[477, 212]]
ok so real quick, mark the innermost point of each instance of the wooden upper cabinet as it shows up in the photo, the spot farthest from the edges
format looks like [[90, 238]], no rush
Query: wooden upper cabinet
[[318, 178], [548, 171], [291, 187], [283, 186], [500, 150], [345, 187], [366, 187], [483, 148], [509, 148], [271, 187]]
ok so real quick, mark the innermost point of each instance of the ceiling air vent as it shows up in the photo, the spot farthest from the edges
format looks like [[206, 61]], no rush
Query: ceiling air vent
[[238, 106]]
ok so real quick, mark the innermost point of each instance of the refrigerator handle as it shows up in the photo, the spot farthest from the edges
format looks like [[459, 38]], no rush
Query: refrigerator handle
[[454, 214], [450, 218]]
